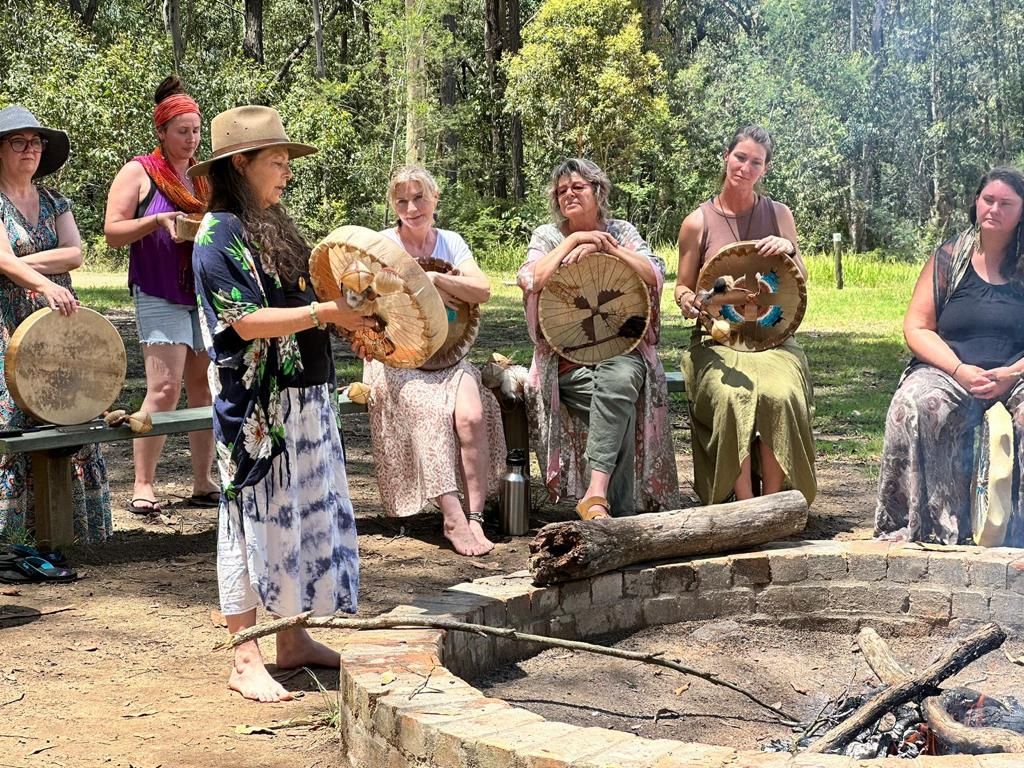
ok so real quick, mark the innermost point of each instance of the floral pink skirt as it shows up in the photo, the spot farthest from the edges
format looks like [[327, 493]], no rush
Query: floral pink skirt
[[412, 431]]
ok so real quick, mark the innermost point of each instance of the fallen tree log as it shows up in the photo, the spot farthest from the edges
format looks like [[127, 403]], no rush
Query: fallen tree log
[[964, 739], [577, 549], [974, 646]]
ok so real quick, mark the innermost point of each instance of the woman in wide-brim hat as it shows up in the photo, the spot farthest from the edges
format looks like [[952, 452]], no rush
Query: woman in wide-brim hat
[[287, 537], [146, 197], [41, 247]]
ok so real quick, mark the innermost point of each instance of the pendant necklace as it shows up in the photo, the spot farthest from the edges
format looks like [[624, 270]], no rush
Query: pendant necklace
[[736, 231]]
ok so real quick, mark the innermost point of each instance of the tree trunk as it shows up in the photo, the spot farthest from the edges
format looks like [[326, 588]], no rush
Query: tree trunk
[[513, 42], [492, 53], [318, 40], [415, 83], [86, 13], [974, 646], [966, 740], [575, 550], [652, 12], [934, 111], [449, 95], [343, 46], [172, 22], [252, 43]]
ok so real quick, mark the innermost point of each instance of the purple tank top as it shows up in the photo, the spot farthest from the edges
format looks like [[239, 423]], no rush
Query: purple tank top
[[155, 262]]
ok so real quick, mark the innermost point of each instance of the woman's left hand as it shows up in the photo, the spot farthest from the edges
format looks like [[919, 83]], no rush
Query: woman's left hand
[[997, 382], [775, 246]]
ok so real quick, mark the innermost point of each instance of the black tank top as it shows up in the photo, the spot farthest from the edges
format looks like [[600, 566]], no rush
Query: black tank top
[[984, 323]]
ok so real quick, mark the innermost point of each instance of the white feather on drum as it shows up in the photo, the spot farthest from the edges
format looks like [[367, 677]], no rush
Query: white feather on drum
[[594, 309], [380, 280]]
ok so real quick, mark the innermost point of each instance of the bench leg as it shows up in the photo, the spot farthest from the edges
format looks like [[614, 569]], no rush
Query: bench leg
[[51, 480], [515, 425]]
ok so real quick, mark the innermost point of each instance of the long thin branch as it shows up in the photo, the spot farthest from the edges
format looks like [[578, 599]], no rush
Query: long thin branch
[[407, 622]]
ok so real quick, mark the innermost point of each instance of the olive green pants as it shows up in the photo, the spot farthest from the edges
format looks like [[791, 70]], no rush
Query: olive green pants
[[605, 398]]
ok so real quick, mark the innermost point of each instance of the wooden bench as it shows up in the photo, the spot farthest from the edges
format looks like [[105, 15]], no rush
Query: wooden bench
[[50, 450]]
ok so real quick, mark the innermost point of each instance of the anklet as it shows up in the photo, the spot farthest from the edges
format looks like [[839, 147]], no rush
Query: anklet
[[475, 517]]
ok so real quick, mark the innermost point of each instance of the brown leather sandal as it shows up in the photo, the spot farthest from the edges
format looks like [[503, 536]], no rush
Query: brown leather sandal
[[585, 508]]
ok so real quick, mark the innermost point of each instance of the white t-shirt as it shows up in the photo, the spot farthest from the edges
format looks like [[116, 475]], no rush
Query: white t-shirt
[[450, 246]]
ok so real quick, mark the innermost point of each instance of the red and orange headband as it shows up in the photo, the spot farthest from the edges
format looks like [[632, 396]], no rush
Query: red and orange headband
[[174, 105]]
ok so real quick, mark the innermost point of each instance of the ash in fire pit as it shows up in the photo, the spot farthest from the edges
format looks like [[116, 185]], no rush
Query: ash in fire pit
[[819, 677]]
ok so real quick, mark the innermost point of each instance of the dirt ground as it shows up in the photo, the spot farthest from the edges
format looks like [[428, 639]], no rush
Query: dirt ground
[[117, 670], [796, 671]]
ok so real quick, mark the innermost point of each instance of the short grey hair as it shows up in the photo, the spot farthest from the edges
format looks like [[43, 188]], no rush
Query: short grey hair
[[591, 173]]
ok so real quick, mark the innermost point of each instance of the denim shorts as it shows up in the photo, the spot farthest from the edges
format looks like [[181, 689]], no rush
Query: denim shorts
[[159, 321]]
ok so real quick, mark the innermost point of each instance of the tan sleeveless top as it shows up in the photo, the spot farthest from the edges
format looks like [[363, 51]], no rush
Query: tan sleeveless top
[[721, 229]]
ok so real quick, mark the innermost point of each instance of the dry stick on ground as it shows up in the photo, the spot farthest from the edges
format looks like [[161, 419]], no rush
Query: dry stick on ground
[[306, 620], [575, 550], [976, 644], [966, 740]]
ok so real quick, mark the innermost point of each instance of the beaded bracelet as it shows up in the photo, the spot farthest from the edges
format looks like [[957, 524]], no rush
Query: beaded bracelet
[[312, 313]]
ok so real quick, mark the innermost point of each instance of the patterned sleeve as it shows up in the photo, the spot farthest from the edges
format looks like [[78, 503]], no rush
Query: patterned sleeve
[[628, 236], [227, 284], [56, 201]]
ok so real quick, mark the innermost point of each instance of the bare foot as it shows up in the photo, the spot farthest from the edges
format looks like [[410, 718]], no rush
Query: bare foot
[[462, 538], [481, 538], [250, 678], [296, 648]]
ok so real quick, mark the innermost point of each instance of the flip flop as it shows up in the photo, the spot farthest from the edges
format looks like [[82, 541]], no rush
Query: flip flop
[[11, 552], [38, 569], [208, 500], [10, 575], [144, 507]]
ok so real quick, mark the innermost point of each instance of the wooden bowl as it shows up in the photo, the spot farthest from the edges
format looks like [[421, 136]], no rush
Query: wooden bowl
[[186, 226]]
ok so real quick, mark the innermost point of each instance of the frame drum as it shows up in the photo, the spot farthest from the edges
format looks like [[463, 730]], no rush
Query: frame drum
[[463, 324], [759, 299], [594, 309], [65, 370], [380, 280]]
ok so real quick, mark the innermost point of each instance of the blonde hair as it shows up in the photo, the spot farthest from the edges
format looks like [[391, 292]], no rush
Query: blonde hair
[[413, 173]]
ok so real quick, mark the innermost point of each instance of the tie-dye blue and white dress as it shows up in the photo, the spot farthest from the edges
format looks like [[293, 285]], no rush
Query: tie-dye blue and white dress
[[287, 537]]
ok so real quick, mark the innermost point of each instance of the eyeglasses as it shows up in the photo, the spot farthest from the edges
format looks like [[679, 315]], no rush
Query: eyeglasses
[[21, 144], [577, 189]]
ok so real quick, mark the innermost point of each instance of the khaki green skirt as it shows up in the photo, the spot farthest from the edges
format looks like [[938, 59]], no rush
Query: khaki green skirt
[[735, 396]]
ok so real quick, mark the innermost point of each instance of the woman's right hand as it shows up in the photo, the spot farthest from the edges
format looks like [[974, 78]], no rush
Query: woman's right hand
[[167, 219], [688, 303], [59, 299], [972, 378], [342, 315]]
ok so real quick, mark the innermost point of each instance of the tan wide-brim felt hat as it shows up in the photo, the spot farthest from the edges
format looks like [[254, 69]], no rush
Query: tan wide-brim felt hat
[[245, 129]]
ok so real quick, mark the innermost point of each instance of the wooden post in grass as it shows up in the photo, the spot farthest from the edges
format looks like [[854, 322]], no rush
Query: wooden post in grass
[[837, 255]]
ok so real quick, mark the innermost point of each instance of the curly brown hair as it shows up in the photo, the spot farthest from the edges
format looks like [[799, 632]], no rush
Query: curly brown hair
[[282, 249]]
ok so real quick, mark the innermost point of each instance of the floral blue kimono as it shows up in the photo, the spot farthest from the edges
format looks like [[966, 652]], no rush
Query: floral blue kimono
[[279, 452]]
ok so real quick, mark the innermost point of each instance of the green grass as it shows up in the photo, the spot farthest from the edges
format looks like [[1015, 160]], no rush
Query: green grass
[[103, 291], [853, 339]]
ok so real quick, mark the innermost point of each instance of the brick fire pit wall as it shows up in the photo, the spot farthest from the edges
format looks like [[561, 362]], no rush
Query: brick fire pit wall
[[406, 704]]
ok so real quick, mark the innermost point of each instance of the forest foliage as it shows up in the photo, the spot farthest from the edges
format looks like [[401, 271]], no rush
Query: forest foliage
[[885, 112]]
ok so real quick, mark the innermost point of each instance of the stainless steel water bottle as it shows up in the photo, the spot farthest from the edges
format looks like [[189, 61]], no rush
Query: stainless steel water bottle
[[515, 494]]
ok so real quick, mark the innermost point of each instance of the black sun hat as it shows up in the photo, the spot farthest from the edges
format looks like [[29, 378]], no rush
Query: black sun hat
[[58, 147]]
